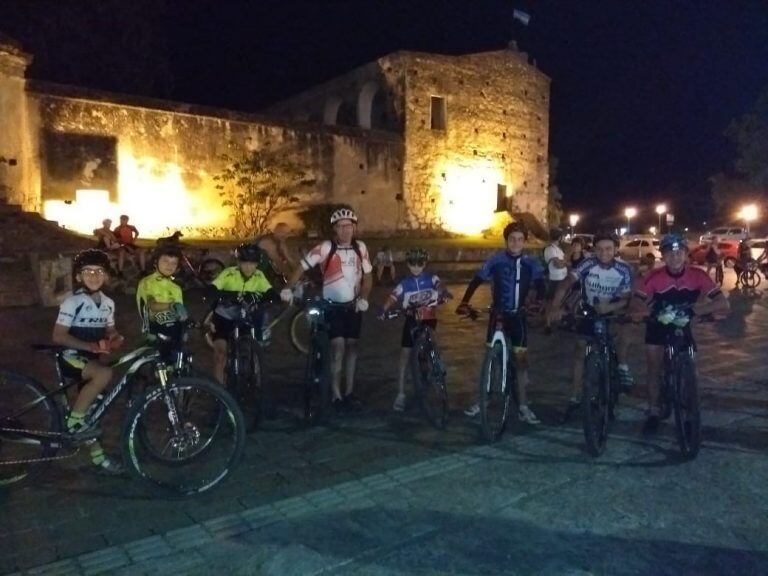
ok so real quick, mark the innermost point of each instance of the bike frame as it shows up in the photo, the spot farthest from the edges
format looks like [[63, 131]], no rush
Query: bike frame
[[498, 336]]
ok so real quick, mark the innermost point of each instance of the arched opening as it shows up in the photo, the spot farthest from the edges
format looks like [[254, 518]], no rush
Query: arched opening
[[365, 104], [331, 112], [347, 115]]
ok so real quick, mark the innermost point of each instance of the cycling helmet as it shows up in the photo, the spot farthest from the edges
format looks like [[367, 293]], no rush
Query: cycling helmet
[[91, 257], [248, 253], [515, 227], [605, 235], [672, 242], [417, 256], [343, 214], [167, 249]]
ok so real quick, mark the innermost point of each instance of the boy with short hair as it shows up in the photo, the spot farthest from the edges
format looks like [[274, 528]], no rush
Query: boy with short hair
[[160, 299]]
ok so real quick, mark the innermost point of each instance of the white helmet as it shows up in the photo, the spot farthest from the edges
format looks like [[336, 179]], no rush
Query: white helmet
[[343, 214]]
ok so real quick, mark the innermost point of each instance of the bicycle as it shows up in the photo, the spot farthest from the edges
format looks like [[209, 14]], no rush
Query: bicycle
[[749, 276], [679, 385], [498, 384], [197, 271], [427, 368], [600, 389], [183, 434], [243, 373]]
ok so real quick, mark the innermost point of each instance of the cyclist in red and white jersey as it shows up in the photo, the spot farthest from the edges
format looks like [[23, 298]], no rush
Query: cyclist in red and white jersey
[[347, 280], [679, 286]]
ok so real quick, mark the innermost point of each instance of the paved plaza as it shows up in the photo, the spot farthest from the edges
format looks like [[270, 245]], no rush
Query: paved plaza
[[382, 493]]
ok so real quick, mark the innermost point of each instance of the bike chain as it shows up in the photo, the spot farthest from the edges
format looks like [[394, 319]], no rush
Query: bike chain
[[35, 460]]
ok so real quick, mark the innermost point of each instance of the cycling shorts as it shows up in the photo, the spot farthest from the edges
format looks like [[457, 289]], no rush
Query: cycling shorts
[[406, 341], [656, 334], [515, 329], [74, 361], [344, 322], [223, 327]]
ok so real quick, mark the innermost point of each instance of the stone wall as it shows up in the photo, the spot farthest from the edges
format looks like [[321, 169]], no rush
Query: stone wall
[[167, 158], [494, 133]]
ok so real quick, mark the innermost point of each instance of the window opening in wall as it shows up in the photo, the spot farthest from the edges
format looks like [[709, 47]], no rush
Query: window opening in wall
[[501, 198], [438, 114]]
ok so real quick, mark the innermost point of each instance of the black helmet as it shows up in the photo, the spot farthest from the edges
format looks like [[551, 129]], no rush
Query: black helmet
[[517, 226], [167, 249], [248, 253], [91, 257], [417, 256], [672, 242], [605, 235]]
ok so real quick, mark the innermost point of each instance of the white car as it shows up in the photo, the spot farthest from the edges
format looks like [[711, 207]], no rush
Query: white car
[[635, 247], [724, 233]]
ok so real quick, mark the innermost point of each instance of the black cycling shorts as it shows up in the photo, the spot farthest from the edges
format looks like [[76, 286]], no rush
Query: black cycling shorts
[[406, 341], [656, 334], [224, 327], [515, 328], [344, 322]]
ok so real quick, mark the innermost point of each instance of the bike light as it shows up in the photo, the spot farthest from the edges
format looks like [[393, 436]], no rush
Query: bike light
[[313, 311]]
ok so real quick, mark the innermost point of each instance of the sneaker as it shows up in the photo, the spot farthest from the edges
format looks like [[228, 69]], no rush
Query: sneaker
[[338, 405], [399, 404], [651, 425], [473, 410], [626, 381], [109, 467], [353, 402], [526, 415]]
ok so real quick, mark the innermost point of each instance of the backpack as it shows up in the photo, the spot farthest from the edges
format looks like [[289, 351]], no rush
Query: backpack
[[335, 247]]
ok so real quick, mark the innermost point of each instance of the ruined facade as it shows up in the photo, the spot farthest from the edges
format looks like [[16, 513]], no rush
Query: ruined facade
[[413, 141]]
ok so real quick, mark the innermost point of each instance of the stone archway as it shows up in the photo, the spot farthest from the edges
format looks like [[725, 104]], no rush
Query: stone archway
[[331, 111], [365, 104]]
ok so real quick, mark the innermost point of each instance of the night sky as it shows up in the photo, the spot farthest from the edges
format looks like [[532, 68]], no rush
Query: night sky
[[641, 90]]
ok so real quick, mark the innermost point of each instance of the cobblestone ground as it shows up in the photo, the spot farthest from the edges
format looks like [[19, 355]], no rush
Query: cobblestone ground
[[379, 493]]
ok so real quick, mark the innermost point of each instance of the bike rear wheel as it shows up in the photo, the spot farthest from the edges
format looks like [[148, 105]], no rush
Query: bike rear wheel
[[24, 407], [595, 403], [687, 415], [750, 278], [317, 380], [200, 445], [495, 395], [301, 332], [429, 381]]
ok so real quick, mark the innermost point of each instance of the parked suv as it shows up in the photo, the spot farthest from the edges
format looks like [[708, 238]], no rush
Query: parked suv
[[636, 246], [724, 233]]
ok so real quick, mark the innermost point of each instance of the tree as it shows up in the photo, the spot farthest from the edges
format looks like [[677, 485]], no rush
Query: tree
[[256, 186]]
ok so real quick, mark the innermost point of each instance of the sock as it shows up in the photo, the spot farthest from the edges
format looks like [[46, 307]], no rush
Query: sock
[[75, 420], [97, 454]]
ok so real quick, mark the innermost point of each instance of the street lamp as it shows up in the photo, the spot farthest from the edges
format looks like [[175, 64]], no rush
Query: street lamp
[[630, 213], [573, 219], [660, 210], [749, 213]]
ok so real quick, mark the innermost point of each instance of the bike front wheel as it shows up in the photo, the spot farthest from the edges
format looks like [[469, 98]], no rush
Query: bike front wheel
[[24, 407], [687, 415], [301, 332], [244, 379], [429, 381], [495, 396], [317, 380], [195, 425], [595, 403]]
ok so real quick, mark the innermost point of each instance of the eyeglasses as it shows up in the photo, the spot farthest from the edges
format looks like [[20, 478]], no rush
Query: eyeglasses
[[93, 272]]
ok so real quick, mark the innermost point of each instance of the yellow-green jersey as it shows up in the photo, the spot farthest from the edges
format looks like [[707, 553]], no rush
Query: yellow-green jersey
[[232, 280], [157, 288]]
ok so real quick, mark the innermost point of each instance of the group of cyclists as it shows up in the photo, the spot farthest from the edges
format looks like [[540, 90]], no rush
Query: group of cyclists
[[85, 324]]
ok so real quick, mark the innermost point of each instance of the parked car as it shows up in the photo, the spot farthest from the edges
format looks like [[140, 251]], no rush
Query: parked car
[[728, 248], [636, 247], [724, 233]]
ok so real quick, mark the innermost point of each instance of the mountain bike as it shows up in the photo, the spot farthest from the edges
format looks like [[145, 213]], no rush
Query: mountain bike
[[498, 394], [197, 270], [600, 389], [749, 276], [679, 386], [427, 368], [183, 434]]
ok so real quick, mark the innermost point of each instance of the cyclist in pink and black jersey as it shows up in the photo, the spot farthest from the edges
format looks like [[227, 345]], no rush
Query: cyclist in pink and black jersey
[[347, 280], [676, 285]]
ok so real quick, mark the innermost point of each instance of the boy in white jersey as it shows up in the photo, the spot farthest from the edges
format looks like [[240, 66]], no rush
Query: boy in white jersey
[[86, 327], [347, 282], [606, 284]]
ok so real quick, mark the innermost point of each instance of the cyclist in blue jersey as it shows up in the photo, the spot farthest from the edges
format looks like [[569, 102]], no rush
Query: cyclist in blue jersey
[[512, 274], [606, 285]]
